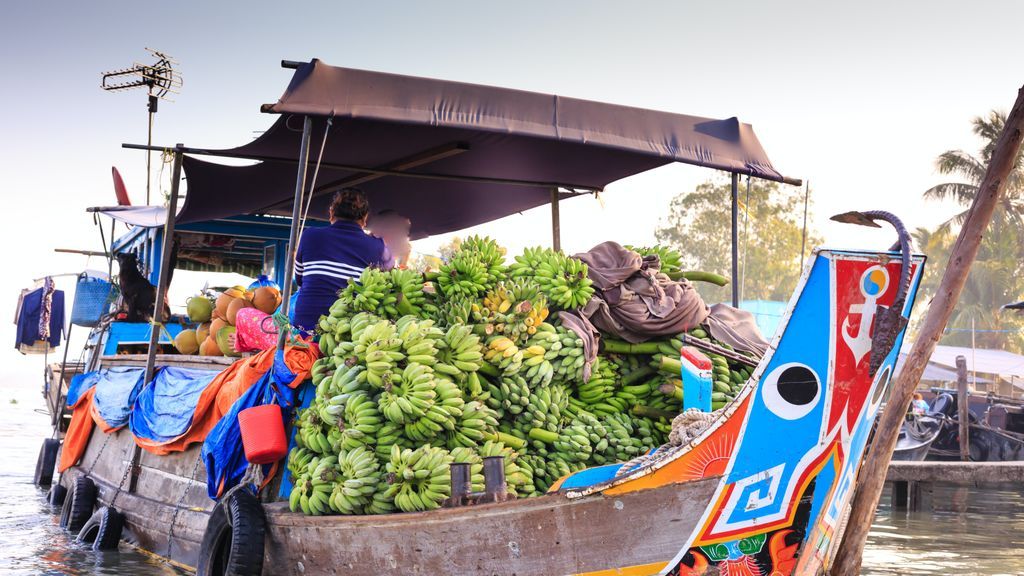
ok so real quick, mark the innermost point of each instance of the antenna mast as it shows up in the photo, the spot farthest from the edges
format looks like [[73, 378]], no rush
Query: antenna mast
[[159, 79]]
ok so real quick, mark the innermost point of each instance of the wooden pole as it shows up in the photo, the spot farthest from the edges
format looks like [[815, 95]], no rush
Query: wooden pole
[[963, 408], [872, 474], [556, 224], [161, 293]]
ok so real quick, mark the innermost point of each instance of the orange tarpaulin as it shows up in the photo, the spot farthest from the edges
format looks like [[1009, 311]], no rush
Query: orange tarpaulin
[[214, 402], [227, 387]]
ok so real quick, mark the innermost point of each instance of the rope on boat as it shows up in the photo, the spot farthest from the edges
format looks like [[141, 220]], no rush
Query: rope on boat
[[177, 507], [316, 173]]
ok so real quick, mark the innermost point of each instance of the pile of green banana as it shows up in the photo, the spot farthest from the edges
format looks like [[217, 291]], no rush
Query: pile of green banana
[[422, 370]]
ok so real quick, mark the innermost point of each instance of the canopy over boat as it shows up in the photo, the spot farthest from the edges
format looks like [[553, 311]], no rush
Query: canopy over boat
[[453, 154]]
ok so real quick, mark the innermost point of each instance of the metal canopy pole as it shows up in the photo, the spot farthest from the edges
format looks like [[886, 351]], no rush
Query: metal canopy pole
[[735, 239], [161, 294], [289, 255], [556, 225]]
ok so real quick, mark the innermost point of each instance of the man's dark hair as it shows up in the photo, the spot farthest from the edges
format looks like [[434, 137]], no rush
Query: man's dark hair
[[350, 204]]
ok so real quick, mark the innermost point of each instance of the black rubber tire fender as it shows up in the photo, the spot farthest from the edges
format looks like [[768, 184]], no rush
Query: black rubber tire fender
[[233, 542], [57, 495], [103, 529], [78, 505], [46, 462]]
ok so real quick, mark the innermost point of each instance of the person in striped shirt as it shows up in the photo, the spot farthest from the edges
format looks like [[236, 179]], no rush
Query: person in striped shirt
[[329, 257]]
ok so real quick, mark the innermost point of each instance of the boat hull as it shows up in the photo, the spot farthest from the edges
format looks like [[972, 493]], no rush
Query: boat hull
[[540, 536]]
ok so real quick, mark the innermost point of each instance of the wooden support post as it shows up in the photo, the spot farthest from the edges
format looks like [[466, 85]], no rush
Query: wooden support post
[[899, 495], [161, 294], [963, 408], [556, 224], [735, 240], [919, 496], [872, 474]]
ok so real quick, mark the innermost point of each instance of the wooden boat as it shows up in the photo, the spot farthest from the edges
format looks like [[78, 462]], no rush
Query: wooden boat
[[763, 489]]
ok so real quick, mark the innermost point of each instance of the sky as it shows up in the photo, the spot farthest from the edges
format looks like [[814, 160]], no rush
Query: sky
[[858, 98]]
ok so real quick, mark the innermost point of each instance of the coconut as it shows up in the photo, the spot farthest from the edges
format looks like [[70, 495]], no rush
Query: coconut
[[266, 299], [186, 342], [224, 343], [202, 332], [233, 308], [216, 325], [199, 308], [209, 348], [223, 301]]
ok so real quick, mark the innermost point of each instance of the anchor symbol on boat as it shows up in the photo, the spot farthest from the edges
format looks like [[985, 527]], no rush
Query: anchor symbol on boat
[[873, 283]]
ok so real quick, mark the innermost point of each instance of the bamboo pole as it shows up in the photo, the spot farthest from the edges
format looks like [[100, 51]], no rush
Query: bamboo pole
[[865, 501]]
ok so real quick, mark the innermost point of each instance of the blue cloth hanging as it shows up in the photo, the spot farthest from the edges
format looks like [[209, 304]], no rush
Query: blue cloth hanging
[[164, 409]]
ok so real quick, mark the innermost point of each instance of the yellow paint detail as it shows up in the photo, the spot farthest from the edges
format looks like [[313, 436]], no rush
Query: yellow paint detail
[[639, 570]]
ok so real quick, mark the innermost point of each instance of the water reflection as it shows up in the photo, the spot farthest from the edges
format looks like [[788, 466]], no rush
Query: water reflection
[[971, 530]]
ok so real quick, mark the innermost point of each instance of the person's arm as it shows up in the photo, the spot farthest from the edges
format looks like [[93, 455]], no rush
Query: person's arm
[[387, 261]]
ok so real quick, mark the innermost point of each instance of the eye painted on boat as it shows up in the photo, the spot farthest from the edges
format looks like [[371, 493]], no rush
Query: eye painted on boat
[[882, 387], [791, 391]]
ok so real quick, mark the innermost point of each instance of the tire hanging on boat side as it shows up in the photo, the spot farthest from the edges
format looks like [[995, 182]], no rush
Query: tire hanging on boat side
[[56, 495], [46, 462], [78, 505], [233, 540], [103, 529]]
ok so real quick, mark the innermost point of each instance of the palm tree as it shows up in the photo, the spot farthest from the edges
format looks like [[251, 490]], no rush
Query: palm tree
[[972, 170], [997, 276]]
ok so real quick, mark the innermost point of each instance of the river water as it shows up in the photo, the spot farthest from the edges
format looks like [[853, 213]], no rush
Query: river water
[[977, 531]]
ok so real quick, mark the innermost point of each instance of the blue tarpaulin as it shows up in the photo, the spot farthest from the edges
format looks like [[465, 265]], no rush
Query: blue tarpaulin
[[223, 452], [81, 383], [164, 409], [116, 390]]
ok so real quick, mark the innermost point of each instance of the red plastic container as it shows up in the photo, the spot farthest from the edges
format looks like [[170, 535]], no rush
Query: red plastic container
[[263, 434]]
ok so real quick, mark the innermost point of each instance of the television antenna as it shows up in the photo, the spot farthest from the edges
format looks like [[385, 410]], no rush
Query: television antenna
[[159, 79]]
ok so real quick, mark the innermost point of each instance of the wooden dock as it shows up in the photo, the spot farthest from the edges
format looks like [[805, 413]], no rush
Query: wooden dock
[[956, 472], [911, 482]]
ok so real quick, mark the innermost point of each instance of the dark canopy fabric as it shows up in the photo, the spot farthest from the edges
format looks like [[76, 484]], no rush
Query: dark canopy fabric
[[478, 152]]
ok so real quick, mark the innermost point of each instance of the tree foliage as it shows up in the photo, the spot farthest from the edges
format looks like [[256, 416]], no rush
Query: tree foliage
[[699, 226], [996, 276]]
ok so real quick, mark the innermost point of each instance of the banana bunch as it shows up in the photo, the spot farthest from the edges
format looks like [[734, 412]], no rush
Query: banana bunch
[[600, 387], [568, 366], [419, 479], [671, 260], [407, 395], [498, 300], [546, 471], [442, 414], [390, 434], [381, 502], [509, 396], [310, 432], [407, 289], [323, 369], [356, 481], [371, 293], [459, 352], [361, 421], [503, 354], [347, 379], [312, 491], [419, 339], [546, 409], [464, 274], [476, 423], [380, 350], [563, 279], [456, 310], [571, 444], [298, 459], [621, 443], [489, 253]]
